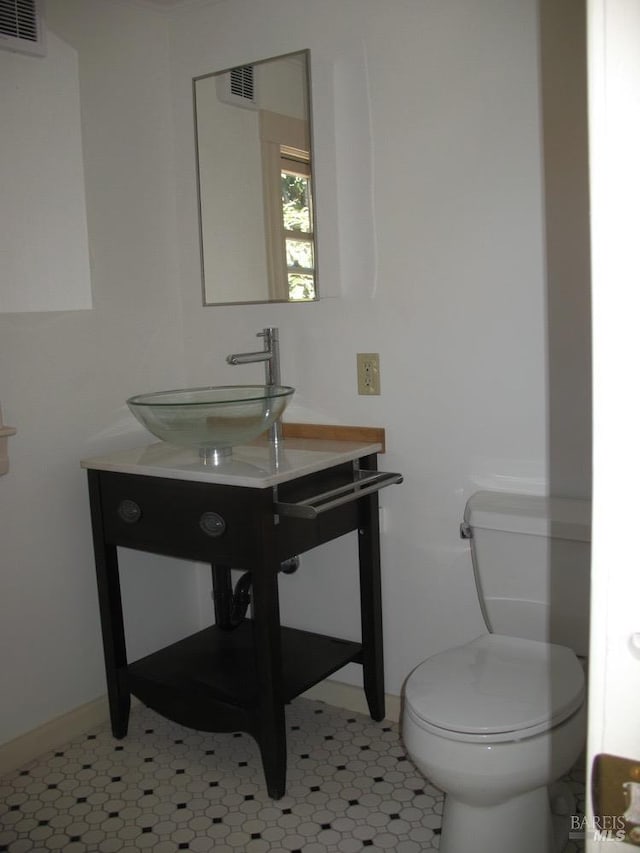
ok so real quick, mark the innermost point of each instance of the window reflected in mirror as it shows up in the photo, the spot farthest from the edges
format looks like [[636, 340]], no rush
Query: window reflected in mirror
[[297, 222], [255, 183]]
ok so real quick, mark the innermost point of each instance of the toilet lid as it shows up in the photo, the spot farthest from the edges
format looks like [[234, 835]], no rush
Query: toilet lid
[[498, 687]]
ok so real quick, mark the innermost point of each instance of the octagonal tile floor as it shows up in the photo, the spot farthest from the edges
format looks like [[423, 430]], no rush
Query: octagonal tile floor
[[165, 788]]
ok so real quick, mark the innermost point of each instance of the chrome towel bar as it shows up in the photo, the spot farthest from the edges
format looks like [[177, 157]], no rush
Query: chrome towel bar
[[363, 483]]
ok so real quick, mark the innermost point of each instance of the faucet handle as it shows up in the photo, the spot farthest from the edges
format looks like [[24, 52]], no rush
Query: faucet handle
[[271, 332], [271, 337]]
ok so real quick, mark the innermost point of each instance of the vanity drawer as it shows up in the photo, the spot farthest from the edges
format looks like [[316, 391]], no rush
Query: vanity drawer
[[198, 521]]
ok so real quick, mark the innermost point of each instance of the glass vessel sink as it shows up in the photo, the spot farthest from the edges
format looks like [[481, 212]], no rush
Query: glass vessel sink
[[212, 420]]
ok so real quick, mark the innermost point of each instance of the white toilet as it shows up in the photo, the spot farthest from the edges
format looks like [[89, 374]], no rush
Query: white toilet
[[495, 722]]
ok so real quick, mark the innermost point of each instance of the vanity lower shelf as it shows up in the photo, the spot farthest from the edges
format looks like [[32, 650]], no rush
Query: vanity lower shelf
[[211, 675]]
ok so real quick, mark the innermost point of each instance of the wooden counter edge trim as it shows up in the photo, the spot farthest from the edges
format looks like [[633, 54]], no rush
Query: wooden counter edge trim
[[335, 432]]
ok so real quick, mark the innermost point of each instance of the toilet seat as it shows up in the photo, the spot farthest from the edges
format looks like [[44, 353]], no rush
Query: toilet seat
[[495, 689]]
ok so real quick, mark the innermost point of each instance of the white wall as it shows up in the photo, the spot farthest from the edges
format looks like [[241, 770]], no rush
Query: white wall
[[442, 272], [44, 253], [430, 216], [64, 376]]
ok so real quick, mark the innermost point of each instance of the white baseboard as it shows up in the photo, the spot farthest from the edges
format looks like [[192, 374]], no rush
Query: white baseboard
[[54, 733], [352, 698]]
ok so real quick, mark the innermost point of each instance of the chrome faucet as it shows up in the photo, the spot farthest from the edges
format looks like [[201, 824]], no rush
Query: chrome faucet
[[270, 355]]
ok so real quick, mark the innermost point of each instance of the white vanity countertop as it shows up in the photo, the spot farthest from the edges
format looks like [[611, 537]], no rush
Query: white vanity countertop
[[251, 465]]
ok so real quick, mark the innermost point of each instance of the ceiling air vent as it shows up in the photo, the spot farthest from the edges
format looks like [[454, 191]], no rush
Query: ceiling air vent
[[22, 26], [238, 87]]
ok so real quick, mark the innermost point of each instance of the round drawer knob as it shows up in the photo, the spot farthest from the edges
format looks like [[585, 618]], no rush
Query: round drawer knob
[[212, 524], [129, 511]]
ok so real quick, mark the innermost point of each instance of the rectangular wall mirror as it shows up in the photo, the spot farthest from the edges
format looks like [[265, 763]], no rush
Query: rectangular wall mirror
[[255, 185]]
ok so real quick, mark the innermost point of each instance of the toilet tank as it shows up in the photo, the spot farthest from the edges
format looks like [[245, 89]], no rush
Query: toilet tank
[[531, 559]]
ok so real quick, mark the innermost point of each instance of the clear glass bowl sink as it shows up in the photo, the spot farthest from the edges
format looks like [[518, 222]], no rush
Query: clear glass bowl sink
[[211, 419]]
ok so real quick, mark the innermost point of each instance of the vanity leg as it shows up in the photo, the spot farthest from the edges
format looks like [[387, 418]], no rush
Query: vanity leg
[[113, 640], [273, 750], [222, 595], [371, 599], [270, 729]]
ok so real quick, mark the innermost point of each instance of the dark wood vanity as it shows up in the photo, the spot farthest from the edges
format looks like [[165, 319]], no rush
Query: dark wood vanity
[[161, 501]]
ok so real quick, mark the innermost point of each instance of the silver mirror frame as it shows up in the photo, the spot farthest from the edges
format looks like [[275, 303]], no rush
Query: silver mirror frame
[[207, 301]]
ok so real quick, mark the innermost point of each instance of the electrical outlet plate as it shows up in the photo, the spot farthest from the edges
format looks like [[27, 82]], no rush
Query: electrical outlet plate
[[368, 373]]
